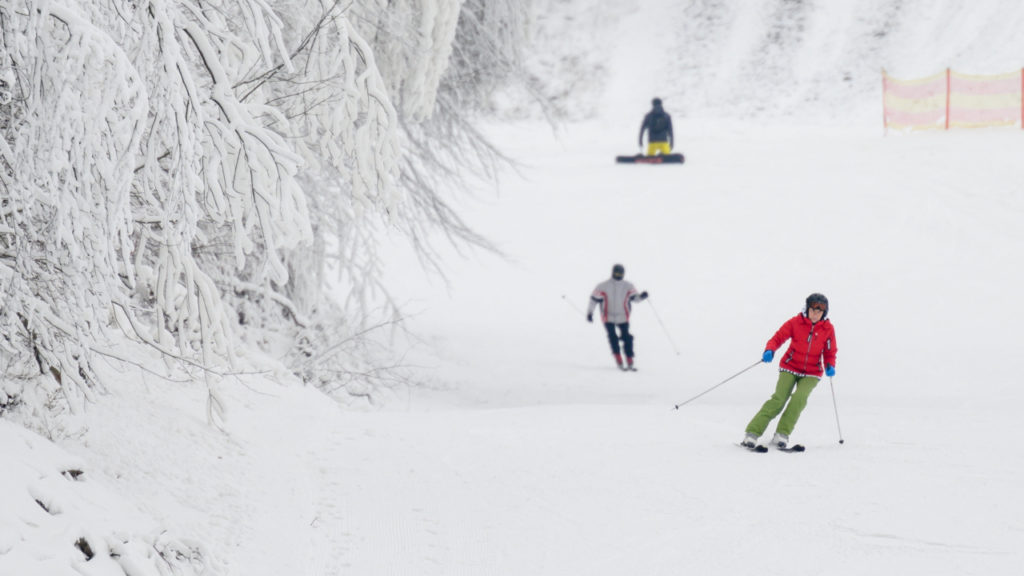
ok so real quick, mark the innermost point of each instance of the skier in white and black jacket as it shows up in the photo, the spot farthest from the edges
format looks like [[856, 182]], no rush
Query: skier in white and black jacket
[[616, 297]]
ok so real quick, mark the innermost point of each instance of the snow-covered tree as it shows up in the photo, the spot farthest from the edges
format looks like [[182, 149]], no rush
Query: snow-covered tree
[[436, 98], [483, 51], [187, 172]]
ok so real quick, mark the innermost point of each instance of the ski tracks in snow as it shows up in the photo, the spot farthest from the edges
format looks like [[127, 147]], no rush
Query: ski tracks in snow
[[273, 517]]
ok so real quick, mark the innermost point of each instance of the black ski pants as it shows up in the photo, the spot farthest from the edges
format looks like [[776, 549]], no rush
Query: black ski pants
[[626, 337]]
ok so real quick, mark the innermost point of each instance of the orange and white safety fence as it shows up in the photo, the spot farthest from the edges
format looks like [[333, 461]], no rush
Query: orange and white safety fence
[[953, 100]]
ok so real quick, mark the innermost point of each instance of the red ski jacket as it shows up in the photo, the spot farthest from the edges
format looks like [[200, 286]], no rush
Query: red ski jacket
[[809, 344]]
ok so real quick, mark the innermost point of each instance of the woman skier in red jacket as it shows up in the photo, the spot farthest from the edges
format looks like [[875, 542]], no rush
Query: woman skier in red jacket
[[812, 349]]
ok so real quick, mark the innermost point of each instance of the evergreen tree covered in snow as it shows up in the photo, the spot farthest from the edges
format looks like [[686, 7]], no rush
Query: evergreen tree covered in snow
[[187, 173]]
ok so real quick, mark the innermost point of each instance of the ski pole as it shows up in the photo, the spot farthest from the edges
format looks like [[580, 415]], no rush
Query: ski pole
[[836, 409], [573, 306], [717, 385], [667, 335]]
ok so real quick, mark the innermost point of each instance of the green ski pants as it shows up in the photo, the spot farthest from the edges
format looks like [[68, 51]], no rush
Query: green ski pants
[[796, 389]]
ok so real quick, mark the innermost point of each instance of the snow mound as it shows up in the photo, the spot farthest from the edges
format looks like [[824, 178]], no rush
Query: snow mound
[[56, 520]]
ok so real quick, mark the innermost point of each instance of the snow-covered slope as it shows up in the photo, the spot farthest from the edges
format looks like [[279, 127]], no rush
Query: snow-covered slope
[[581, 468], [526, 452], [808, 61]]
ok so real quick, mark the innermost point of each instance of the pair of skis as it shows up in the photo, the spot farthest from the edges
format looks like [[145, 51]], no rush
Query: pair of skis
[[761, 448]]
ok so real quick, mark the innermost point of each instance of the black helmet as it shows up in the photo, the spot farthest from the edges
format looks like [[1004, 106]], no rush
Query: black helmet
[[656, 102], [618, 271], [817, 298]]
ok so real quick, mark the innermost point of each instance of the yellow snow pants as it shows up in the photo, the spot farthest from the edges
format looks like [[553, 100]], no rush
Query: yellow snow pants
[[658, 148]]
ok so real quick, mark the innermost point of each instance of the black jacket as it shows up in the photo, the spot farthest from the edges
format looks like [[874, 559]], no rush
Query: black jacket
[[658, 125]]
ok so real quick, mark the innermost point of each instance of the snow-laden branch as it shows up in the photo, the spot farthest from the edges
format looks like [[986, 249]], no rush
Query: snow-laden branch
[[72, 130]]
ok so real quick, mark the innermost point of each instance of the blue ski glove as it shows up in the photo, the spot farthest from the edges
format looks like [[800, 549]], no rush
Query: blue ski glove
[[643, 295], [830, 371], [767, 356], [590, 317]]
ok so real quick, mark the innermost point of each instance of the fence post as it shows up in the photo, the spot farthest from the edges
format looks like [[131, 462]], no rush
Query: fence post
[[885, 109], [947, 98]]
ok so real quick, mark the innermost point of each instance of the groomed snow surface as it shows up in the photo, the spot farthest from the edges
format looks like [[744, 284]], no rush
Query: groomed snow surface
[[521, 450], [527, 452]]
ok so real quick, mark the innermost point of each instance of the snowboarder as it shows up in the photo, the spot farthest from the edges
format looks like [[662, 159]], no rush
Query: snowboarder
[[812, 341], [658, 125], [616, 297]]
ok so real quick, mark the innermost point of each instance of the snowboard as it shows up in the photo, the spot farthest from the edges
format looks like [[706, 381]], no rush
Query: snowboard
[[641, 159]]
